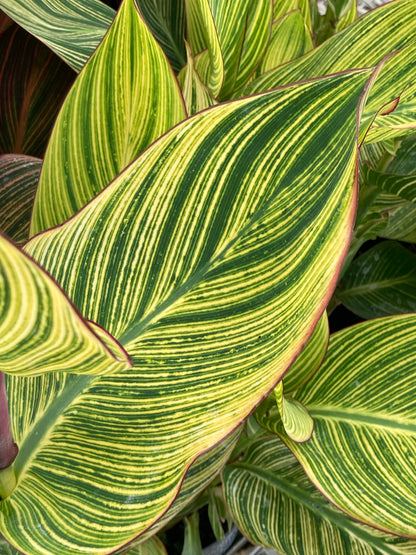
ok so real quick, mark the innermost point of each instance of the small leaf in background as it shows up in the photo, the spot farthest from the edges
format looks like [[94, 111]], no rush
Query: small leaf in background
[[196, 95], [192, 540], [283, 7], [290, 38], [40, 331], [275, 505], [72, 30], [405, 158], [166, 21], [339, 14], [152, 546], [123, 100], [19, 177], [403, 186], [33, 86], [382, 281], [362, 399], [310, 357]]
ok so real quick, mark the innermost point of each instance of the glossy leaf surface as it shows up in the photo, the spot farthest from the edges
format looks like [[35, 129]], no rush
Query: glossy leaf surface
[[123, 100], [40, 331], [70, 28], [210, 276], [19, 177], [381, 282], [33, 86], [275, 505], [362, 400]]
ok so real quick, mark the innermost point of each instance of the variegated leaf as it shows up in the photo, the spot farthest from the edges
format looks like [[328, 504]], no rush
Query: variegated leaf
[[210, 263], [40, 330], [123, 100], [362, 399], [19, 177], [196, 94], [275, 505]]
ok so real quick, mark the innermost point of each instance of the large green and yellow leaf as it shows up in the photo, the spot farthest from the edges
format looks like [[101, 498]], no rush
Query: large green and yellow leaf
[[211, 258], [363, 44], [362, 400], [33, 85], [19, 176], [382, 281], [71, 28], [40, 330], [123, 100], [275, 505]]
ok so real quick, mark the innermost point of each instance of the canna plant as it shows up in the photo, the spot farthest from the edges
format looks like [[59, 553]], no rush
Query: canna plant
[[171, 247]]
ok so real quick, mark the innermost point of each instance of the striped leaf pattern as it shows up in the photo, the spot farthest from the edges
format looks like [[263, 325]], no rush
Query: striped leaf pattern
[[40, 331], [362, 400], [166, 21], [123, 100], [380, 282], [290, 38], [212, 273], [19, 177], [275, 505], [283, 7], [70, 28], [33, 85], [310, 357], [403, 186], [362, 44], [296, 420], [405, 157], [196, 94], [152, 546]]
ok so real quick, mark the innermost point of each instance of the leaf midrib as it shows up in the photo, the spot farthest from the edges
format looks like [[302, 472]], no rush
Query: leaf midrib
[[379, 420], [375, 286], [316, 506]]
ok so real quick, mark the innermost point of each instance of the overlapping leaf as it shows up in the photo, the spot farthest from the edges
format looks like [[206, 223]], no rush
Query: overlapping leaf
[[19, 177], [33, 85], [380, 282], [362, 44], [212, 272], [71, 28], [403, 186], [362, 400], [40, 331], [275, 505], [123, 100]]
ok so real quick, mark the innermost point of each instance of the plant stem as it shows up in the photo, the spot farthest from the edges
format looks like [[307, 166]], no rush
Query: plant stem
[[8, 449]]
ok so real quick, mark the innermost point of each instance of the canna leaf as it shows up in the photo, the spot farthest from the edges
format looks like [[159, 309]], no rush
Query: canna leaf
[[124, 99], [363, 44], [403, 186], [380, 282], [40, 331], [71, 28], [152, 546], [283, 7], [295, 418], [290, 38], [33, 85], [196, 95], [19, 177], [361, 454], [211, 269], [275, 505]]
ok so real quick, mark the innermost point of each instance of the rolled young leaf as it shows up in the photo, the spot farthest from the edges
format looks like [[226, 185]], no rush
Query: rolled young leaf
[[210, 258], [275, 505], [362, 399], [123, 100], [40, 330], [71, 28]]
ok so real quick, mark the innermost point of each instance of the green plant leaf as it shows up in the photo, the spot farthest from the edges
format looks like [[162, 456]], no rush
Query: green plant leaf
[[71, 28], [166, 21], [234, 39], [33, 85], [380, 282], [290, 38], [362, 44], [33, 314], [19, 177], [152, 546], [196, 94], [275, 505], [405, 158], [310, 357], [403, 186], [362, 452], [283, 7], [123, 100], [7, 549], [192, 543], [211, 269], [295, 418]]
